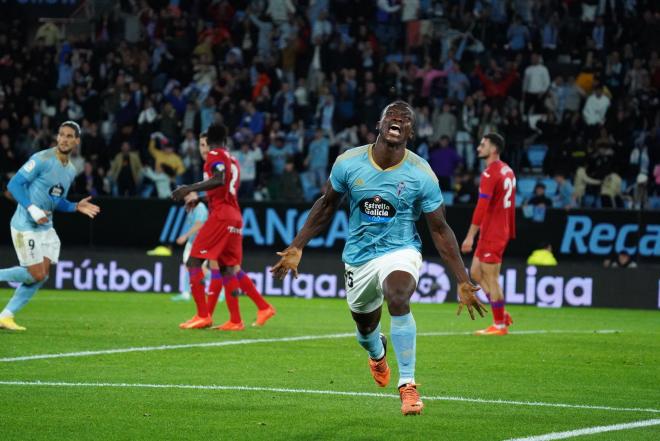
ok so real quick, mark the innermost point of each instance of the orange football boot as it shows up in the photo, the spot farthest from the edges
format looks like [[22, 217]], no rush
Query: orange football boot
[[379, 368], [263, 315], [492, 330], [230, 326], [197, 323], [411, 403]]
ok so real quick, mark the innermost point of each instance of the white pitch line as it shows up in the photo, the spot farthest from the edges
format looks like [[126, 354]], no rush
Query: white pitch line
[[317, 392], [588, 431], [266, 340]]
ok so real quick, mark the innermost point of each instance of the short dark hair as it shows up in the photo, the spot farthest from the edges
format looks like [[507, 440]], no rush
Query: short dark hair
[[403, 104], [216, 134], [74, 125], [497, 140], [203, 134]]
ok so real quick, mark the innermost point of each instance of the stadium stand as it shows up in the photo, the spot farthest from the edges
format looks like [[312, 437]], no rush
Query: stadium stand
[[581, 81]]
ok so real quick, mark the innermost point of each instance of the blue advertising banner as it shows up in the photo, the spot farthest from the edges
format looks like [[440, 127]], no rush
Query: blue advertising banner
[[575, 235]]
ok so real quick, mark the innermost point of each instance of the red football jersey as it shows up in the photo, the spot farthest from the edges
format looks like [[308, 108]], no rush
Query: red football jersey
[[223, 201], [497, 221]]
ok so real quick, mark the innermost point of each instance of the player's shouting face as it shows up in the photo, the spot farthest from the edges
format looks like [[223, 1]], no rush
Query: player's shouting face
[[397, 123]]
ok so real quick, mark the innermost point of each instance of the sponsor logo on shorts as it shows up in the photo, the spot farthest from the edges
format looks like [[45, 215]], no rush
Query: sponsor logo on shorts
[[234, 230], [377, 209], [203, 251]]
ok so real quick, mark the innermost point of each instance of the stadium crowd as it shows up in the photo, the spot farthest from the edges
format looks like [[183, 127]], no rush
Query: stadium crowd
[[572, 85]]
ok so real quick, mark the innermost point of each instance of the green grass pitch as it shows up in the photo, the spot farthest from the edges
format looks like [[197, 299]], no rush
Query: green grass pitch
[[568, 365]]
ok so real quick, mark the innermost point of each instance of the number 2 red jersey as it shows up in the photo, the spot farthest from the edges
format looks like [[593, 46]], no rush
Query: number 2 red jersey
[[496, 210], [223, 202]]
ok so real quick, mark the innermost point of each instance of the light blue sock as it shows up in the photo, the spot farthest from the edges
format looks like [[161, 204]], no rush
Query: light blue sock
[[372, 343], [22, 295], [18, 274], [404, 333]]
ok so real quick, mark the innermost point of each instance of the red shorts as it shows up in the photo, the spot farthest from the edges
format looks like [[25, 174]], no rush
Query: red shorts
[[490, 251], [221, 240]]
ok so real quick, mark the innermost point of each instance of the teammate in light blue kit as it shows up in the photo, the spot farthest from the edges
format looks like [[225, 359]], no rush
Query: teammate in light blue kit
[[40, 187], [194, 221], [388, 188]]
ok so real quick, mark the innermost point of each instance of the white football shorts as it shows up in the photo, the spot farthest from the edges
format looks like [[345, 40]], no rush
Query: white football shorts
[[32, 246], [364, 283]]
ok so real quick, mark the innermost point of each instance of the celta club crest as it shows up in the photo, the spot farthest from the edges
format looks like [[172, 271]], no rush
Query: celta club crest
[[400, 188]]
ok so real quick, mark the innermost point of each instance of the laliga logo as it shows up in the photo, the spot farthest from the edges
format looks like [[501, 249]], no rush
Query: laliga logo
[[433, 284]]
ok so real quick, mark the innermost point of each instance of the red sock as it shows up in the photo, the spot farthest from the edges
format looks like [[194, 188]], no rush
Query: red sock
[[498, 312], [198, 290], [231, 297], [214, 290], [248, 288]]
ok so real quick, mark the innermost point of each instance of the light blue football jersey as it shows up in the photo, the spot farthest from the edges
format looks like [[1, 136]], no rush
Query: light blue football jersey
[[49, 182], [384, 204], [199, 214]]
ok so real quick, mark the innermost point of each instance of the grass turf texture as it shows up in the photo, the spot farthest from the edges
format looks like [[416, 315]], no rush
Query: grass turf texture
[[619, 370]]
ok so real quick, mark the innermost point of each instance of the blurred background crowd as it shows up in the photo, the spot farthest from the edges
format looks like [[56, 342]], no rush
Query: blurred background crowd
[[571, 84]]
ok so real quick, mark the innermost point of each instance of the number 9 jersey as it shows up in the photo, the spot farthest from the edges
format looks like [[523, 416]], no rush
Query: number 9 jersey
[[223, 200], [496, 210]]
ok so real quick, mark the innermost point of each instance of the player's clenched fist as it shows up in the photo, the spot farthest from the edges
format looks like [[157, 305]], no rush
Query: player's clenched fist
[[290, 258], [467, 296]]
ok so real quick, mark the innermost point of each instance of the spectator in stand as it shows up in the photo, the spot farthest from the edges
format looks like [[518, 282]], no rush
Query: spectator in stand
[[536, 83], [539, 198], [444, 123], [581, 181], [162, 177], [620, 260], [89, 182], [498, 86], [248, 157], [595, 109], [564, 196], [316, 161], [125, 172], [290, 184], [610, 191], [165, 156], [444, 161]]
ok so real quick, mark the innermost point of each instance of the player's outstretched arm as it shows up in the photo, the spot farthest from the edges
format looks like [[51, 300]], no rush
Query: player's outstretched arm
[[217, 180], [446, 244], [317, 221], [84, 206]]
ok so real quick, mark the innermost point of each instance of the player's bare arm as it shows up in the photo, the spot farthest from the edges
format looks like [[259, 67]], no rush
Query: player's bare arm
[[468, 243], [446, 244], [217, 180], [319, 217], [185, 236]]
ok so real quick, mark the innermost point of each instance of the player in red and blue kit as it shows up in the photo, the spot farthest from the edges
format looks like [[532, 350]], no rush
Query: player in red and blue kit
[[220, 238], [494, 219]]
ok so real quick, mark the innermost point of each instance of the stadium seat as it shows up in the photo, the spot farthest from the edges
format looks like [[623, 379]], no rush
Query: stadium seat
[[536, 154], [550, 187], [654, 203], [519, 200], [525, 186]]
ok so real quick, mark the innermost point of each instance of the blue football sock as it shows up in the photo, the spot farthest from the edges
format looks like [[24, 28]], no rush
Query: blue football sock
[[372, 343], [404, 333], [22, 295], [18, 274]]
